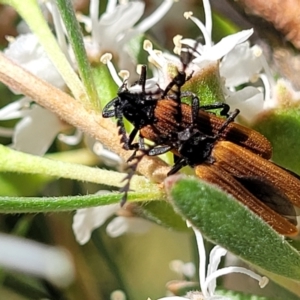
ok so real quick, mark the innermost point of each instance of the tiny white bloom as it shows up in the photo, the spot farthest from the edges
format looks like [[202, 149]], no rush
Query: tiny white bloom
[[209, 51], [87, 219], [208, 277], [151, 85]]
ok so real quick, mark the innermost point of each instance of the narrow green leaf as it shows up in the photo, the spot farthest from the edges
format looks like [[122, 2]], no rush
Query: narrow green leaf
[[76, 40], [226, 222], [70, 203], [16, 161]]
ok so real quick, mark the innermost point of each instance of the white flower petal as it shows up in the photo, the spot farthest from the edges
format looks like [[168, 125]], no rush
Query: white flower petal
[[121, 225], [36, 131], [240, 65], [87, 219], [250, 102], [26, 51], [224, 46], [112, 26]]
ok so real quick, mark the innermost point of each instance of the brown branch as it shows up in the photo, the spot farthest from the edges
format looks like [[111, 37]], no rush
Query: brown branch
[[73, 112]]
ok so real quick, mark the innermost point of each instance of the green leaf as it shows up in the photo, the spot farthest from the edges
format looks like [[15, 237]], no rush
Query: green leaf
[[207, 85], [12, 184], [282, 128], [226, 222]]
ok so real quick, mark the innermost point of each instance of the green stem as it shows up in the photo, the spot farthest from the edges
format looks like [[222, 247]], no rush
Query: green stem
[[15, 161], [70, 203], [75, 37]]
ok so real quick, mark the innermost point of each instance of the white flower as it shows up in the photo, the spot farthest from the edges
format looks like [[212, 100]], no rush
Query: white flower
[[208, 278], [205, 53], [26, 51], [115, 28], [249, 100], [240, 64], [209, 51], [87, 219], [50, 263], [38, 127], [36, 130]]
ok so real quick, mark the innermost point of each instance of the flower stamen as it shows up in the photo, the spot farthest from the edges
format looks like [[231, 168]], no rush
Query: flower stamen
[[201, 26], [177, 42], [155, 55], [106, 59]]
